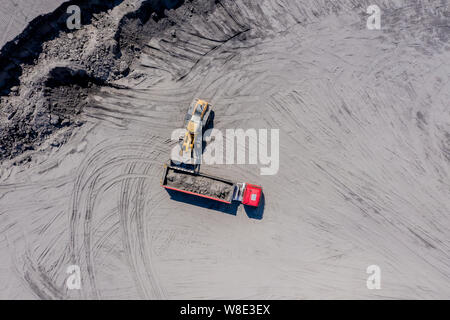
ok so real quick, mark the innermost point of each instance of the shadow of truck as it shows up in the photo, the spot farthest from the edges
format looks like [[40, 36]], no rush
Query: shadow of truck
[[252, 212]]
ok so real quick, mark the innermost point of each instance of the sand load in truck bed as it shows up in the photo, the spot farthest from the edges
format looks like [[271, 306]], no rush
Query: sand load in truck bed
[[201, 184]]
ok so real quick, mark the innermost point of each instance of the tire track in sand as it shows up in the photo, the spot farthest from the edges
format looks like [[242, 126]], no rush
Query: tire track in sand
[[100, 173]]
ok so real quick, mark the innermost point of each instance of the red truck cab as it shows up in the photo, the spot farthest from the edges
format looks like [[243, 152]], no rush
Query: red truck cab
[[252, 195]]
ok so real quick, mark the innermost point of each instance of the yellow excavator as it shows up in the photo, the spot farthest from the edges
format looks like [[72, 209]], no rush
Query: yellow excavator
[[196, 121]]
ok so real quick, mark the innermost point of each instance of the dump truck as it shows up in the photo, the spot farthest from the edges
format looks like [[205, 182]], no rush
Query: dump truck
[[210, 187]]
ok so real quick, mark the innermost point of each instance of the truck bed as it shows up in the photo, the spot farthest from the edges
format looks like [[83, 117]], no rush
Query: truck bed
[[198, 184]]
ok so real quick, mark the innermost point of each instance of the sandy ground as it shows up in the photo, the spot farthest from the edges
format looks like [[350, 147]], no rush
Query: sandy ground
[[16, 14], [364, 165]]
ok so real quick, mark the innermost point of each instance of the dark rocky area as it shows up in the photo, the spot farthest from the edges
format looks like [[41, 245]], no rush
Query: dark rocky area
[[49, 71]]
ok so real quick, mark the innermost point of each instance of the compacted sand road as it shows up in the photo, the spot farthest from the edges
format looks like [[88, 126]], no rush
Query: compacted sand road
[[363, 177]]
